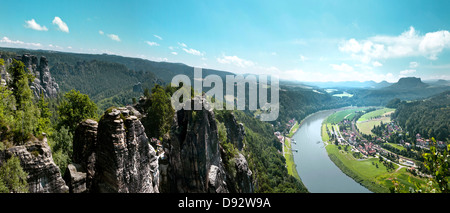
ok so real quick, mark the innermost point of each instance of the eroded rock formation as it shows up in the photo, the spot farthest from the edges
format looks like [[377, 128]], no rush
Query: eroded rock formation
[[43, 81], [36, 159], [193, 155], [115, 156]]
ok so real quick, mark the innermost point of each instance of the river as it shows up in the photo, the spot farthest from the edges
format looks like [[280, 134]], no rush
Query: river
[[317, 171]]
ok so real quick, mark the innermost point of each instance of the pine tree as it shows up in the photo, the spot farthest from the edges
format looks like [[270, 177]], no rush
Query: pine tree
[[12, 177]]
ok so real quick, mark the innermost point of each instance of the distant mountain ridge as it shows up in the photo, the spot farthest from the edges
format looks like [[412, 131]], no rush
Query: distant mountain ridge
[[349, 84]]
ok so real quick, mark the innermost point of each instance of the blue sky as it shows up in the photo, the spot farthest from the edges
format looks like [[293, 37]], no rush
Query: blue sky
[[298, 40]]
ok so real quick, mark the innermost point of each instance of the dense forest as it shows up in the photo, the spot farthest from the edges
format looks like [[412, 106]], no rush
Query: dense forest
[[427, 117], [23, 117]]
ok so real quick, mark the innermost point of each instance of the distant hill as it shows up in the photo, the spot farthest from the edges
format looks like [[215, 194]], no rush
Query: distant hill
[[438, 82], [383, 84], [409, 83], [410, 88], [349, 84], [165, 71]]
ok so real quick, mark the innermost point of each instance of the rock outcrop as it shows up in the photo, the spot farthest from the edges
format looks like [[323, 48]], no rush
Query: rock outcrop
[[235, 131], [43, 81], [79, 175], [36, 159], [4, 75], [125, 160], [243, 178], [113, 156], [193, 161]]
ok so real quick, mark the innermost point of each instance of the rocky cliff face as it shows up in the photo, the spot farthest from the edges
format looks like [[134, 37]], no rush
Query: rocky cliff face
[[36, 159], [79, 175], [4, 75], [113, 156], [193, 158], [193, 155], [43, 82], [125, 160]]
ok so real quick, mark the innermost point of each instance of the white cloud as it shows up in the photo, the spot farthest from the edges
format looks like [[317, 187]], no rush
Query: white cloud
[[114, 37], [61, 25], [151, 43], [174, 53], [407, 44], [351, 45], [234, 60], [158, 37], [18, 43], [193, 51], [413, 64], [377, 64], [182, 44], [35, 26], [171, 48], [433, 43], [343, 67], [303, 58], [407, 72], [101, 32]]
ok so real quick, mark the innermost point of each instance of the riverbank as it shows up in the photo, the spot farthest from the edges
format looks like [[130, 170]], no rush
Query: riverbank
[[289, 156]]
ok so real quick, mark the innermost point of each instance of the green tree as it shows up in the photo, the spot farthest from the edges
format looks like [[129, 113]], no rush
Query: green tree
[[19, 85], [26, 114], [12, 177], [62, 147], [75, 108], [437, 163], [7, 105], [44, 124], [159, 113]]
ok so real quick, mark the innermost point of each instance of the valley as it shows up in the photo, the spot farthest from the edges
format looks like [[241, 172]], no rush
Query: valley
[[357, 136]]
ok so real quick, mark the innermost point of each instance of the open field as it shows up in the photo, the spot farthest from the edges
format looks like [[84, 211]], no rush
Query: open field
[[325, 136], [376, 113], [344, 114], [367, 121], [344, 94], [366, 126], [397, 146]]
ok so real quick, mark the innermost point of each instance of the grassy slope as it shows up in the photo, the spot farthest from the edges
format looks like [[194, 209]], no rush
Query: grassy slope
[[290, 164], [375, 113], [347, 114]]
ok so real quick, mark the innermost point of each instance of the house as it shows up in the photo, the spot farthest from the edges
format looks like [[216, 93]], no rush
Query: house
[[292, 121]]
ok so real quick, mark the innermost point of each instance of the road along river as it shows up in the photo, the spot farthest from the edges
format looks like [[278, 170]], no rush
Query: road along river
[[317, 171]]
